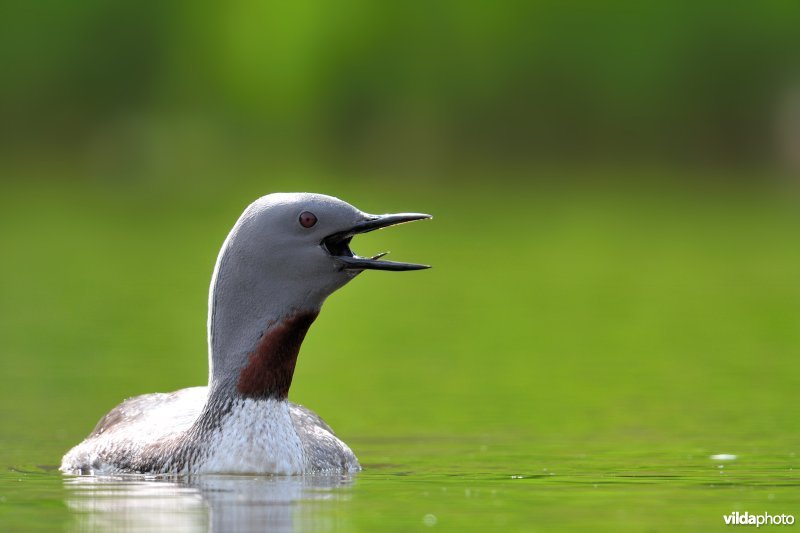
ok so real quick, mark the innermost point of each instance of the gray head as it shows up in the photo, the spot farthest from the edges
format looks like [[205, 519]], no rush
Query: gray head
[[283, 257]]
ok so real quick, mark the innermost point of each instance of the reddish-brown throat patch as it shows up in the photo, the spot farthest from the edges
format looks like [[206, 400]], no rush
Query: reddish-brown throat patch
[[268, 373]]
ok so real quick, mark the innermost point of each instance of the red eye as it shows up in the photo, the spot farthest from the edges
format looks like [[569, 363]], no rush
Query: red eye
[[307, 219]]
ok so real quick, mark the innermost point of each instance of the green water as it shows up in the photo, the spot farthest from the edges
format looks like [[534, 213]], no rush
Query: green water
[[449, 483], [573, 360]]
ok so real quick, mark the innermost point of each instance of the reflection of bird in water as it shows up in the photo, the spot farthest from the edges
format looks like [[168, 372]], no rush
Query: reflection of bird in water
[[225, 503], [284, 256]]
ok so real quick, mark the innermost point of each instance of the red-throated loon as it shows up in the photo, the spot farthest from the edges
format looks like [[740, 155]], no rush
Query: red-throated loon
[[283, 257]]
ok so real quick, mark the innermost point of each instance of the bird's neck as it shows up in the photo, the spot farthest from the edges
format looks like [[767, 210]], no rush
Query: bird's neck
[[255, 329], [270, 366]]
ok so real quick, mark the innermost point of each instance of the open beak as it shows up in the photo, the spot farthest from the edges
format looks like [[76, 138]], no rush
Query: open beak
[[338, 244]]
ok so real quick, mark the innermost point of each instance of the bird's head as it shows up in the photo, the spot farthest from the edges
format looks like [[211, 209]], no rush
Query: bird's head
[[301, 241]]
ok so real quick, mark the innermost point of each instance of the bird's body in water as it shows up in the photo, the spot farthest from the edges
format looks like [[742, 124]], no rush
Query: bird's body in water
[[283, 257]]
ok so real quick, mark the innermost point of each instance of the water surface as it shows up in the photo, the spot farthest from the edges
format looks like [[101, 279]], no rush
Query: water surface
[[442, 483]]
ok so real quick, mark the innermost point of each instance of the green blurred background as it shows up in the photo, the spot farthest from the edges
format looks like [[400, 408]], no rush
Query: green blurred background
[[615, 246], [159, 90]]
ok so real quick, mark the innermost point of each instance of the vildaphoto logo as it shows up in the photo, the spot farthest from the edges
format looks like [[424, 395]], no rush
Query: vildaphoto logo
[[765, 519]]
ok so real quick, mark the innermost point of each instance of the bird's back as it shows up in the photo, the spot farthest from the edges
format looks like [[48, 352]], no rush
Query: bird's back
[[136, 427], [323, 450], [151, 434]]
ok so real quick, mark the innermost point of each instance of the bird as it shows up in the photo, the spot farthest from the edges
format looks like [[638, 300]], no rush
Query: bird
[[285, 255]]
